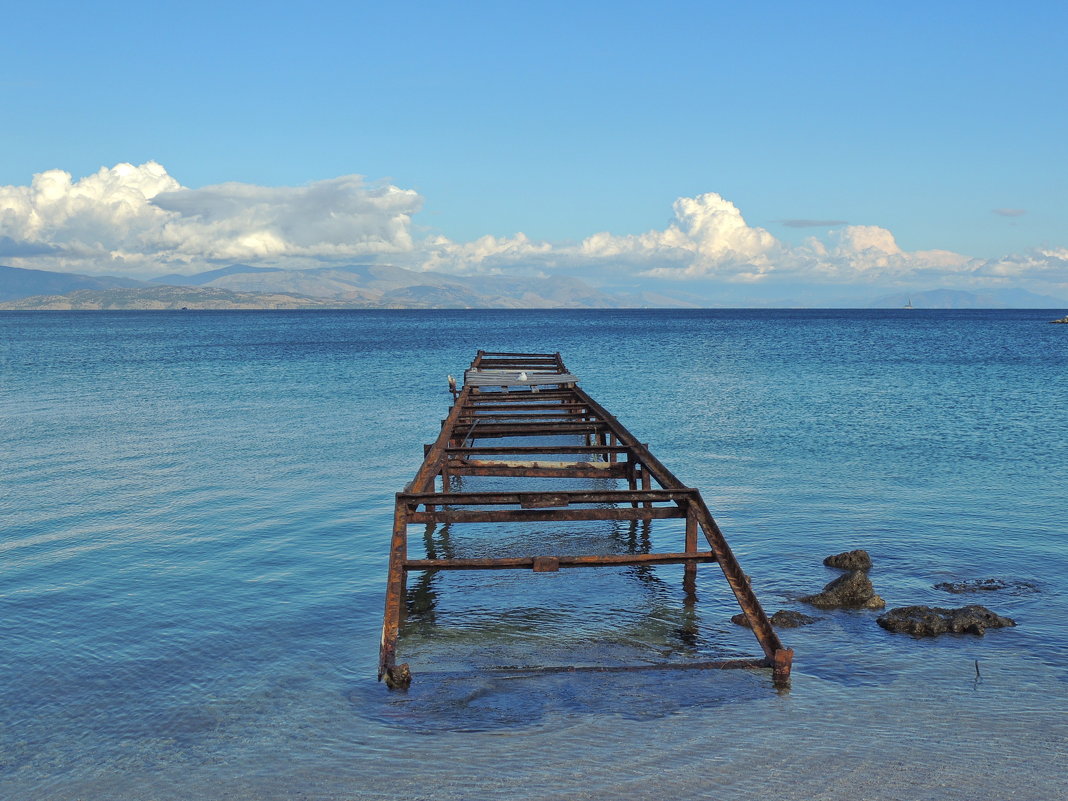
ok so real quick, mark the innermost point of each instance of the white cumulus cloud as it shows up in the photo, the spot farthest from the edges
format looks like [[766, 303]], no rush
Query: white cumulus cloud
[[708, 237], [128, 218], [865, 252], [487, 254]]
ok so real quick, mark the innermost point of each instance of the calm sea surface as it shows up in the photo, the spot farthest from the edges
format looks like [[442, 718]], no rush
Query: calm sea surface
[[195, 511]]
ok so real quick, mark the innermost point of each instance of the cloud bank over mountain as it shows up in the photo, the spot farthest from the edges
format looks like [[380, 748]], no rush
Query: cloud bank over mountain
[[128, 219], [140, 221]]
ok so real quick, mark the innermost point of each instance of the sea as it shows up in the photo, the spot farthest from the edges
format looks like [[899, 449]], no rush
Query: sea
[[195, 515]]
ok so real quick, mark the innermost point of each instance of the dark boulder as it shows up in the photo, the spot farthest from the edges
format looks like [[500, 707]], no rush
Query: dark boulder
[[987, 585], [783, 619], [851, 591], [930, 621], [850, 560]]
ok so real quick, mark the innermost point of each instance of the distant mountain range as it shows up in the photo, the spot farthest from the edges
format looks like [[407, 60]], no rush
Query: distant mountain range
[[242, 286], [158, 298], [16, 283], [353, 286]]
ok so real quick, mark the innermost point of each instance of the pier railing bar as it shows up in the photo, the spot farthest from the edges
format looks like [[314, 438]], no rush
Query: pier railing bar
[[537, 405]]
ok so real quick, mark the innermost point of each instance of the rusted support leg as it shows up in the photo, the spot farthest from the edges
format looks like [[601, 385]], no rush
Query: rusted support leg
[[395, 676], [613, 442], [781, 664], [632, 480], [647, 483], [689, 576], [777, 656]]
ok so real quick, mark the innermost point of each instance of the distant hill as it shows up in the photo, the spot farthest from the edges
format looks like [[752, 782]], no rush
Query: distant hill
[[349, 286], [174, 298], [199, 279], [441, 294], [354, 286], [386, 284], [961, 299], [16, 282]]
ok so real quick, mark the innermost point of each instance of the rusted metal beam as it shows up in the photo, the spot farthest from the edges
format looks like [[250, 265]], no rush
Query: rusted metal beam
[[563, 497], [689, 576], [551, 405], [593, 560], [577, 470], [544, 515], [431, 466], [395, 676], [533, 358], [777, 654], [489, 395], [533, 417], [602, 467], [517, 364], [663, 476], [535, 429], [780, 656], [718, 664], [508, 354], [520, 450]]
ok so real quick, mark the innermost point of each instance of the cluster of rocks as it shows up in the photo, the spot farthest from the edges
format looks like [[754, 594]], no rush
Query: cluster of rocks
[[854, 590], [1062, 320]]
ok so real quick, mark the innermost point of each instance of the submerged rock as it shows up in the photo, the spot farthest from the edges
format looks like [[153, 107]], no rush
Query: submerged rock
[[930, 621], [986, 585], [783, 619], [851, 591], [850, 560]]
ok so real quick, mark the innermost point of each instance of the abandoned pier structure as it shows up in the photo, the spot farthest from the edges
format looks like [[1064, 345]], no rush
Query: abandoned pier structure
[[507, 397]]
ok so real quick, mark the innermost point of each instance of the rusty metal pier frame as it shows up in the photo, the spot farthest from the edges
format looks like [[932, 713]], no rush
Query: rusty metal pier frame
[[509, 395]]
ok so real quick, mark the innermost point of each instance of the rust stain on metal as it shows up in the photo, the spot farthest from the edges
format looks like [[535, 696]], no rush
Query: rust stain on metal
[[527, 395]]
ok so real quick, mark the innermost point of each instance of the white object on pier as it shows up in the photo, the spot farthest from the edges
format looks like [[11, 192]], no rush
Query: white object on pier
[[511, 378]]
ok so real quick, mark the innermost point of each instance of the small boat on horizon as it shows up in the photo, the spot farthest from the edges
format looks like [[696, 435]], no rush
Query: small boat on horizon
[[908, 305]]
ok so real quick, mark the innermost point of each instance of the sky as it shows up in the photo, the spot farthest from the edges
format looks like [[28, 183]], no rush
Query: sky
[[740, 148]]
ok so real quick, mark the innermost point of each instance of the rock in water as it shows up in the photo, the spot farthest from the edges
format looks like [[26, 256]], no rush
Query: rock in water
[[987, 585], [851, 591], [930, 621], [783, 619], [850, 560]]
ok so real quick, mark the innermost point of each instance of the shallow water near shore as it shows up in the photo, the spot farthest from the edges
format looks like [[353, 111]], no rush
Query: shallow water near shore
[[197, 509]]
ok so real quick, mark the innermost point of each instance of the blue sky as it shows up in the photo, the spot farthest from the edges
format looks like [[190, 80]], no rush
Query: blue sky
[[563, 120]]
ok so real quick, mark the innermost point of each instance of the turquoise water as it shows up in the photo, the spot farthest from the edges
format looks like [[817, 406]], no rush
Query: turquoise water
[[196, 511]]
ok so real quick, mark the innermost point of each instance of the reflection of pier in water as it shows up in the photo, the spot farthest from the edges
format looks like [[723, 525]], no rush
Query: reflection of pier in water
[[519, 396]]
